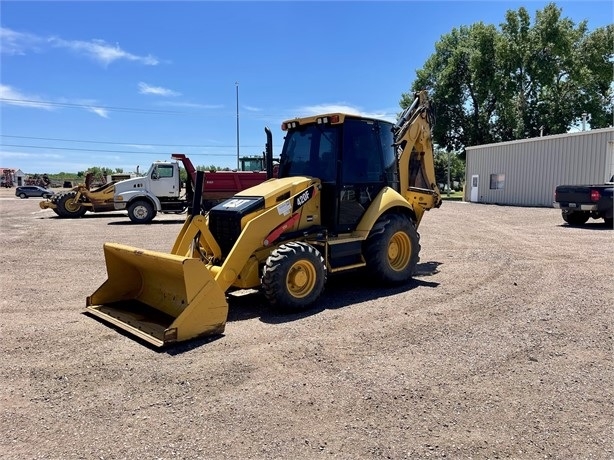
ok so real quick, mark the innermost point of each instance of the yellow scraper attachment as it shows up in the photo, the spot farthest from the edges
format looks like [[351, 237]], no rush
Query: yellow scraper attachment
[[161, 298]]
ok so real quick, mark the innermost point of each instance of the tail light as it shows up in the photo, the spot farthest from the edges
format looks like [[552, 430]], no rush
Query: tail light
[[595, 195]]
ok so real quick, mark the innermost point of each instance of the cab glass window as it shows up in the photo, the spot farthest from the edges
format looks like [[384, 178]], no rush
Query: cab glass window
[[389, 154], [162, 171], [311, 151], [362, 161]]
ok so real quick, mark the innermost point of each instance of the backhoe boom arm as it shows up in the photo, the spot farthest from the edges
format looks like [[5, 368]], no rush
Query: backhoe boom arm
[[415, 155]]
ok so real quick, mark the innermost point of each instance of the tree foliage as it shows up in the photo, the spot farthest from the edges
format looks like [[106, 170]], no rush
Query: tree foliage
[[442, 161], [521, 80], [100, 171]]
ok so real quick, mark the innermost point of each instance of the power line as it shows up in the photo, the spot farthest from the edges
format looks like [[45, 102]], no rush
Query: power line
[[118, 151], [121, 143], [88, 106]]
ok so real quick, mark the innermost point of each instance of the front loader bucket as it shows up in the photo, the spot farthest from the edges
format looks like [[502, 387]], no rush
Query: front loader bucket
[[161, 298]]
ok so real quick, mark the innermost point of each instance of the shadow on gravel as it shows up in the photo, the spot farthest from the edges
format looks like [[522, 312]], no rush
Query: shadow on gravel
[[125, 220], [190, 345], [176, 349], [153, 222], [342, 289], [595, 226], [86, 217]]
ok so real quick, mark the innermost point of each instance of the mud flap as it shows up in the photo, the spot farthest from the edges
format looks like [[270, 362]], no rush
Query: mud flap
[[161, 298]]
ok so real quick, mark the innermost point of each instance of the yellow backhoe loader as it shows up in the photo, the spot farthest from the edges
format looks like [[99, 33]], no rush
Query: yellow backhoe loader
[[350, 192]]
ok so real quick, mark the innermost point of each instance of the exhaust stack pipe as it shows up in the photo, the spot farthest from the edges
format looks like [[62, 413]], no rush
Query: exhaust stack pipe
[[269, 153]]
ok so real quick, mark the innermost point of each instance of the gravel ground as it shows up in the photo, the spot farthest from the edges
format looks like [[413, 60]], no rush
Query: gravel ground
[[500, 348]]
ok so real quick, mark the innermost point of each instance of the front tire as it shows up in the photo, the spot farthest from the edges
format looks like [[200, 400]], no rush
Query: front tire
[[68, 206], [294, 276], [141, 212], [392, 249]]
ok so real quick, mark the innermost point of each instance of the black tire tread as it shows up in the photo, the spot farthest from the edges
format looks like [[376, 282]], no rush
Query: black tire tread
[[150, 215], [60, 202], [376, 249], [275, 271], [575, 218]]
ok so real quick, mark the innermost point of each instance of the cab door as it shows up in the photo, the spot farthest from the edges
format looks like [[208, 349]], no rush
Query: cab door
[[164, 181], [363, 173]]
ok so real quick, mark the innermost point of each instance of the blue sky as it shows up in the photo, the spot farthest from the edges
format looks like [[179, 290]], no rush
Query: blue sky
[[121, 84]]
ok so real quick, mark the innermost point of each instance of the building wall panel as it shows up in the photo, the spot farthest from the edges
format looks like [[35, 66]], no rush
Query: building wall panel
[[534, 167]]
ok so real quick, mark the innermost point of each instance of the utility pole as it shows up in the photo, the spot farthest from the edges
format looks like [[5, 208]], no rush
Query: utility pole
[[237, 91], [449, 173]]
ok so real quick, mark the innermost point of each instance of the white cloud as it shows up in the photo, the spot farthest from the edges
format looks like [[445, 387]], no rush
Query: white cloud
[[104, 113], [12, 96], [15, 43], [139, 146], [249, 108], [101, 51], [144, 88], [190, 105], [53, 163], [28, 156], [388, 115]]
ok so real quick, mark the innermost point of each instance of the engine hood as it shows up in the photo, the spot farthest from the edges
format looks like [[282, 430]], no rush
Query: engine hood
[[274, 191]]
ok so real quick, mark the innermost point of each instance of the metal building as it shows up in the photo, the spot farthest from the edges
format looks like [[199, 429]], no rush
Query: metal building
[[525, 172]]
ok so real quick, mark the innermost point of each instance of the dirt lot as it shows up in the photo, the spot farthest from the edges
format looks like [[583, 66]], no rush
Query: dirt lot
[[500, 348]]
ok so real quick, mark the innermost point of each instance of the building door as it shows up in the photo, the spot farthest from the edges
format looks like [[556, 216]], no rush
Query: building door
[[475, 182]]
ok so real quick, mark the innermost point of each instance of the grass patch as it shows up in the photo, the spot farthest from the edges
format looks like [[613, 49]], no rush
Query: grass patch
[[454, 196]]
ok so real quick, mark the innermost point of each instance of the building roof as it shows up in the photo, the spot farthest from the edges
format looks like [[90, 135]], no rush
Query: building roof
[[537, 139]]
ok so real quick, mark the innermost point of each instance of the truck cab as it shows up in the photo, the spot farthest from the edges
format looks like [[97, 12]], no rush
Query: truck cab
[[163, 178], [158, 190]]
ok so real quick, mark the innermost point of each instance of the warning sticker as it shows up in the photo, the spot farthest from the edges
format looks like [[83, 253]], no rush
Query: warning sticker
[[285, 208]]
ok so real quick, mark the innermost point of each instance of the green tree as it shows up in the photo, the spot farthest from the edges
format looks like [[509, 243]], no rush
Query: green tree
[[462, 85], [101, 172], [183, 174], [491, 85], [444, 159]]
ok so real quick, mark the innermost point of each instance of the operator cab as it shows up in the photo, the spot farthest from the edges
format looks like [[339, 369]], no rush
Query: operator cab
[[354, 157]]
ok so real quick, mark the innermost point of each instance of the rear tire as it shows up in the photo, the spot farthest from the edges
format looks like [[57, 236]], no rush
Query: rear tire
[[23, 195], [68, 207], [392, 249], [609, 222], [575, 218], [294, 276], [141, 212]]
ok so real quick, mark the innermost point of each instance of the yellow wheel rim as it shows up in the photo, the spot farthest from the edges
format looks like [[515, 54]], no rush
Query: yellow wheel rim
[[72, 205], [399, 251], [301, 279]]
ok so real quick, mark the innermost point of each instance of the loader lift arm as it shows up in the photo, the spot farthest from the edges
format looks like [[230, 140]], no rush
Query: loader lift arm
[[164, 298]]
